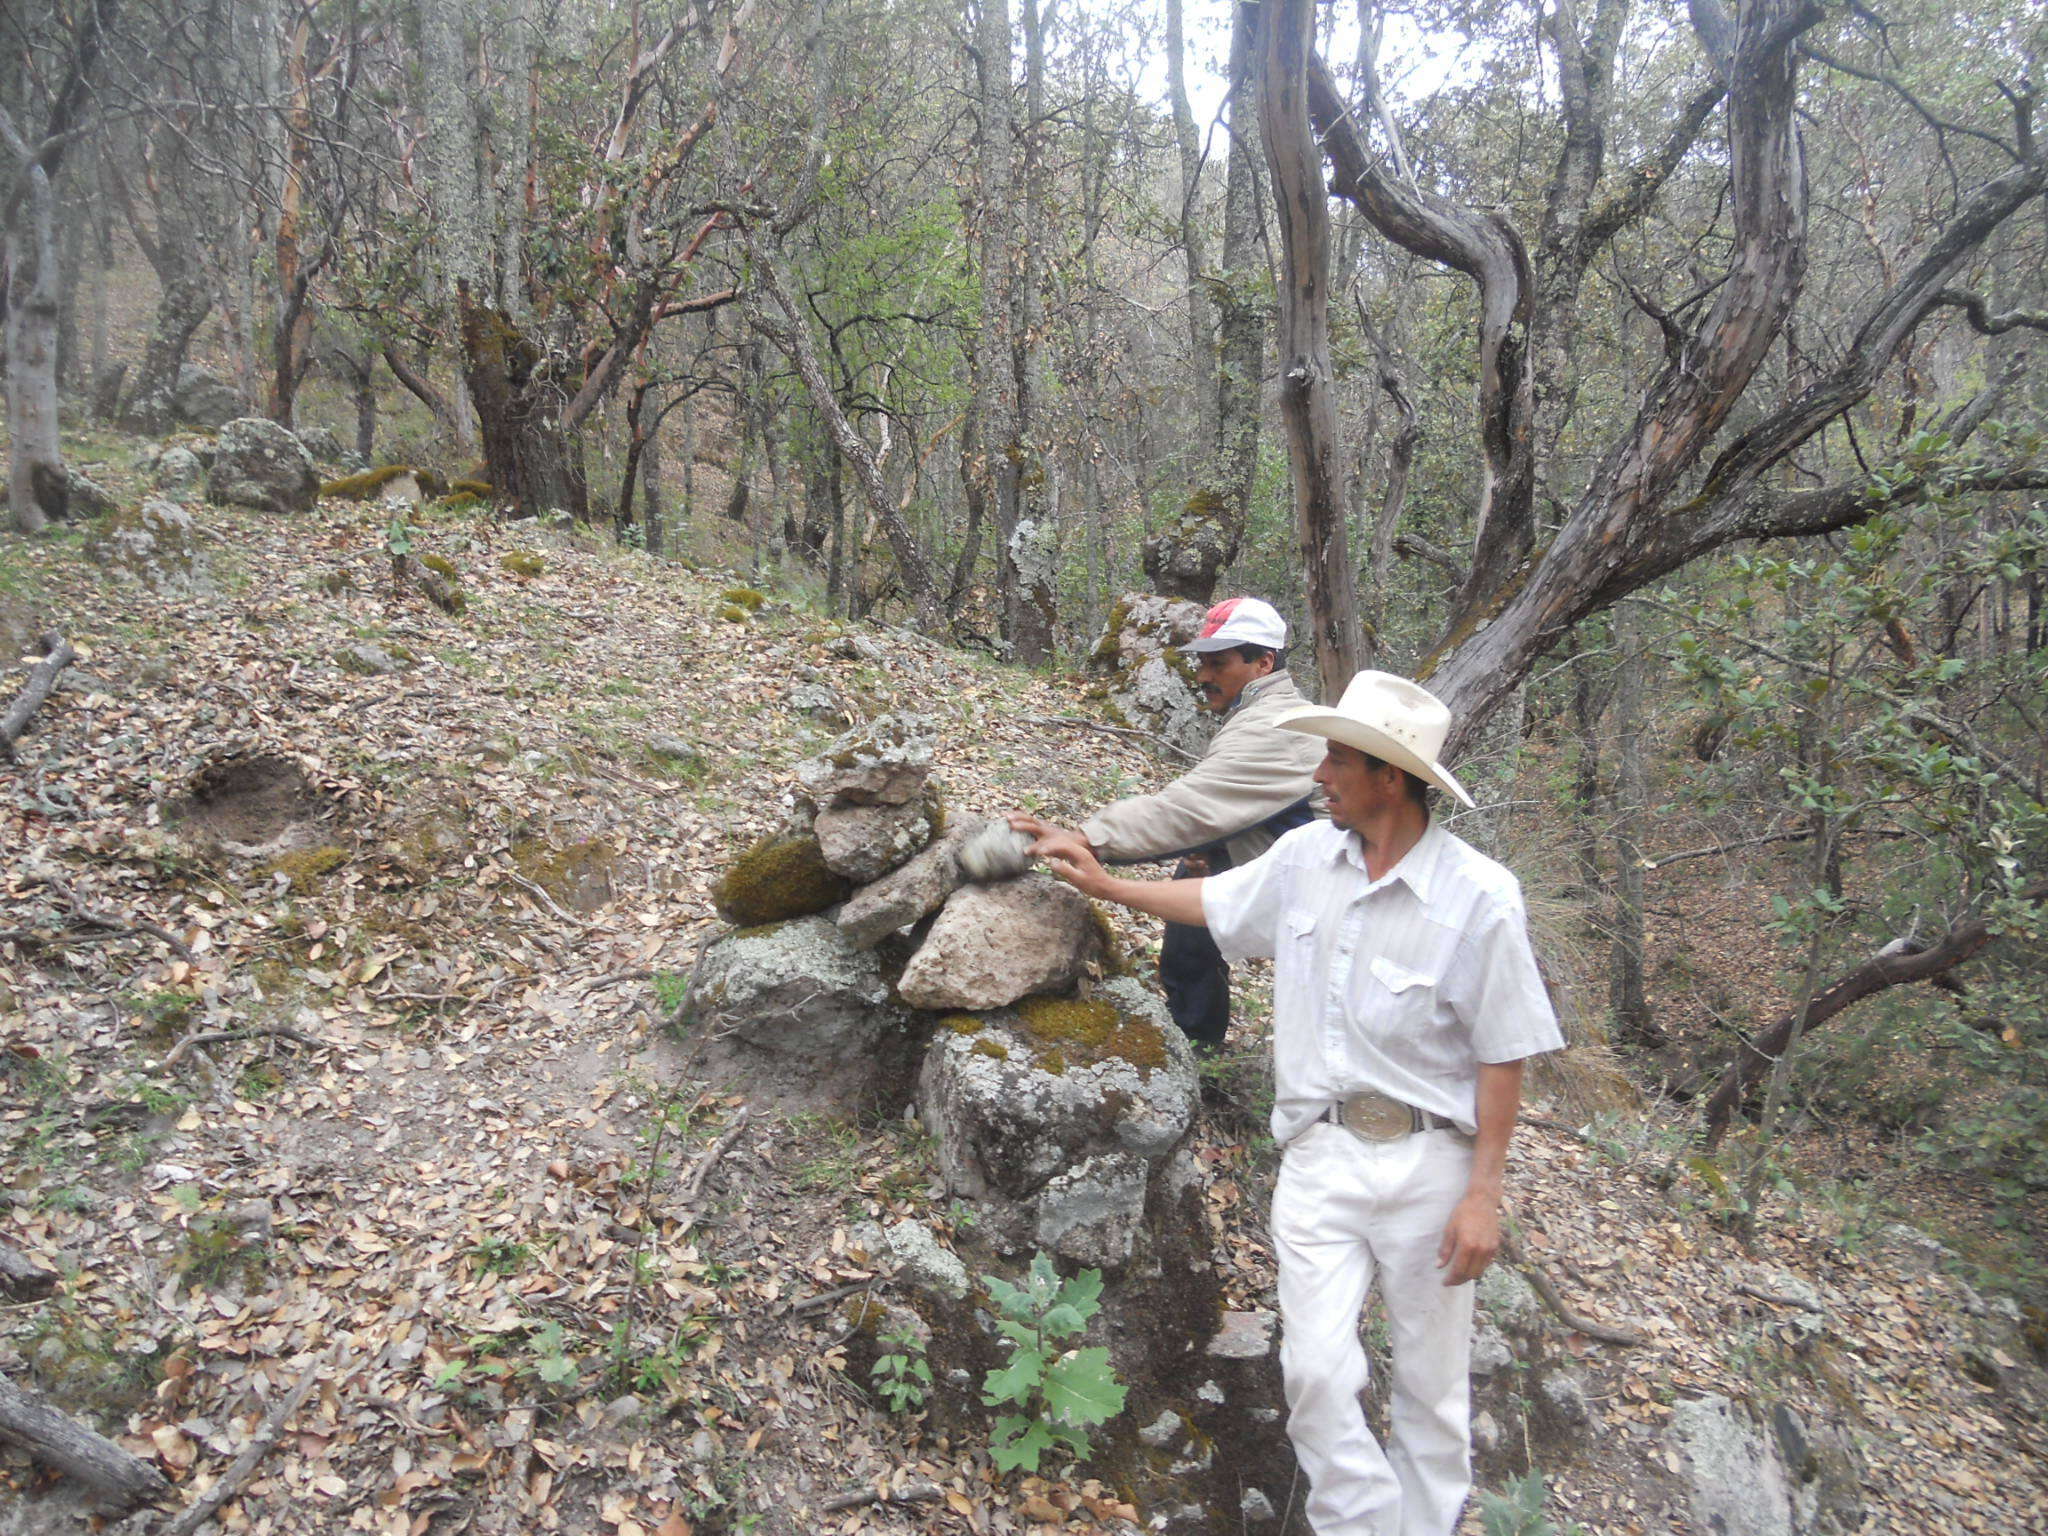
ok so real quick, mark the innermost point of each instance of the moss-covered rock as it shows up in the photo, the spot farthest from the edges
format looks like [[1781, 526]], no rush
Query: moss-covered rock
[[523, 562], [479, 490], [743, 597], [782, 876], [733, 613], [362, 486], [441, 566]]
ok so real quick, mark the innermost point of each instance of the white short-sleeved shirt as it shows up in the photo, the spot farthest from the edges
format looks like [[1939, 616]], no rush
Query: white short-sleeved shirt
[[1403, 984]]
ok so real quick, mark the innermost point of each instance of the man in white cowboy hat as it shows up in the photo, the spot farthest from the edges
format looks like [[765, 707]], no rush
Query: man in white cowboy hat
[[1253, 783], [1405, 1003]]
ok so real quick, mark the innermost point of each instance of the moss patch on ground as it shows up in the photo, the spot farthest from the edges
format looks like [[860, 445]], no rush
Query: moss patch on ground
[[305, 868]]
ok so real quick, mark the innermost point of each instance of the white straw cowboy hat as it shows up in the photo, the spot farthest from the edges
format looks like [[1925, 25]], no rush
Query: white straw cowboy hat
[[1389, 718]]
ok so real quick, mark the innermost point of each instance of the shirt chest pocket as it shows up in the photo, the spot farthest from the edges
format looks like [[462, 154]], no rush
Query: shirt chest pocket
[[1398, 997]]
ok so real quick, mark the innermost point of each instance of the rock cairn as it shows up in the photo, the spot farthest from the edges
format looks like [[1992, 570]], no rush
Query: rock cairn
[[867, 971]]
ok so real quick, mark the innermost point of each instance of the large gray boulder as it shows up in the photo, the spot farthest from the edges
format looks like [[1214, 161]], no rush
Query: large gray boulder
[[1145, 680], [204, 399], [259, 464], [1063, 1119], [906, 895], [884, 762], [802, 1003], [156, 544], [994, 944], [865, 842]]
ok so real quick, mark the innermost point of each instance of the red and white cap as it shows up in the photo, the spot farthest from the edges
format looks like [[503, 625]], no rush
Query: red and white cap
[[1240, 621]]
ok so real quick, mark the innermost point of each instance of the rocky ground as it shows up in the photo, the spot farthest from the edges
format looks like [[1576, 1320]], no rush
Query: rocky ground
[[337, 938]]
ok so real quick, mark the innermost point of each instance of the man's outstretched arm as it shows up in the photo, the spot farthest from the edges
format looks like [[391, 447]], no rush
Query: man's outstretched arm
[[1069, 857]]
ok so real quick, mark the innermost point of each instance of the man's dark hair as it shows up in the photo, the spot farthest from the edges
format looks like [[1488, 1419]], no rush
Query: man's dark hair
[[1418, 787], [1251, 653]]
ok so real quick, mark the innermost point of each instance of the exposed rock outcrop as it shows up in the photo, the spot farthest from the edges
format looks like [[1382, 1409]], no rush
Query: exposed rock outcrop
[[1144, 677], [157, 544]]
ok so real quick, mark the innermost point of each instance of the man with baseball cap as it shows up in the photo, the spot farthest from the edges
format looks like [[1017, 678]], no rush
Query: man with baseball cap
[[1405, 1003], [1252, 784]]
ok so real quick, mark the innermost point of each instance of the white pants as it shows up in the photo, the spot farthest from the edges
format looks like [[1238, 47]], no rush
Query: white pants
[[1347, 1211]]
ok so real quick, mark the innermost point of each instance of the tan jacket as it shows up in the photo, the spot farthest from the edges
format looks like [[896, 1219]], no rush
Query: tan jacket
[[1252, 770]]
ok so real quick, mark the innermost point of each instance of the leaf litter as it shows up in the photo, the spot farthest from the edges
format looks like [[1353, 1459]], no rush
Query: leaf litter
[[376, 1095]]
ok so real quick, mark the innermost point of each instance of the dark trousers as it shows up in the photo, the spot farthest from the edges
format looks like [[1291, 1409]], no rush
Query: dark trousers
[[1194, 975]]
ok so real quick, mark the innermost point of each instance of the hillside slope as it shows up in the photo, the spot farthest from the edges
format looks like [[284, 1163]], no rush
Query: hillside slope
[[336, 937]]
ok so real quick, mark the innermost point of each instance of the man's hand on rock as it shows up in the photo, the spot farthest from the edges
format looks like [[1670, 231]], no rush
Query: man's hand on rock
[[1069, 857]]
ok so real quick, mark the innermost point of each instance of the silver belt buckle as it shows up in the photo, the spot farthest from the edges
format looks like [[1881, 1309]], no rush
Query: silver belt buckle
[[1373, 1116]]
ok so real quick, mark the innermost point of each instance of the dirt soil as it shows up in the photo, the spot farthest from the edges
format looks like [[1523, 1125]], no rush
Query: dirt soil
[[378, 1107]]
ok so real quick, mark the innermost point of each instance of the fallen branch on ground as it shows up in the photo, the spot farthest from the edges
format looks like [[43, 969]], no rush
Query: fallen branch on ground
[[915, 1493], [91, 919], [42, 677], [826, 1298], [694, 1185], [239, 1470], [1744, 1288], [220, 1036], [1546, 1288], [73, 1449], [1117, 730]]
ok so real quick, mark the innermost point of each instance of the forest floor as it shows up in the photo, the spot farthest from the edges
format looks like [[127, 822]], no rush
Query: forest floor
[[331, 1050]]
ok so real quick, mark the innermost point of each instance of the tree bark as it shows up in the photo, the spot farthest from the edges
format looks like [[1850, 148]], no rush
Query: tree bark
[[38, 487], [1307, 394], [993, 467], [1628, 1002], [1031, 555]]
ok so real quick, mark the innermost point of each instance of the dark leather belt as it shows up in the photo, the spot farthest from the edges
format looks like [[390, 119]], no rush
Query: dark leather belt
[[1374, 1116]]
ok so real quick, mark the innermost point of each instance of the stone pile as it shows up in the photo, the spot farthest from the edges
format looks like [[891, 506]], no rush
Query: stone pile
[[867, 972]]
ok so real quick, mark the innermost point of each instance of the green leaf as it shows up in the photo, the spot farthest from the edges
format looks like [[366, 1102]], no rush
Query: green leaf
[[556, 1369], [1084, 1293], [1012, 1301], [1081, 1388], [1017, 1333], [1061, 1321], [1019, 1442], [1013, 1383]]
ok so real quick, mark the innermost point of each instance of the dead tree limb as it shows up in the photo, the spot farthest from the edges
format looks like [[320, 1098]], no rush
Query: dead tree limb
[[88, 918], [21, 1279], [1900, 962], [73, 1449], [860, 1498], [694, 1185], [221, 1036], [1540, 1282], [230, 1482], [406, 570], [42, 677]]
